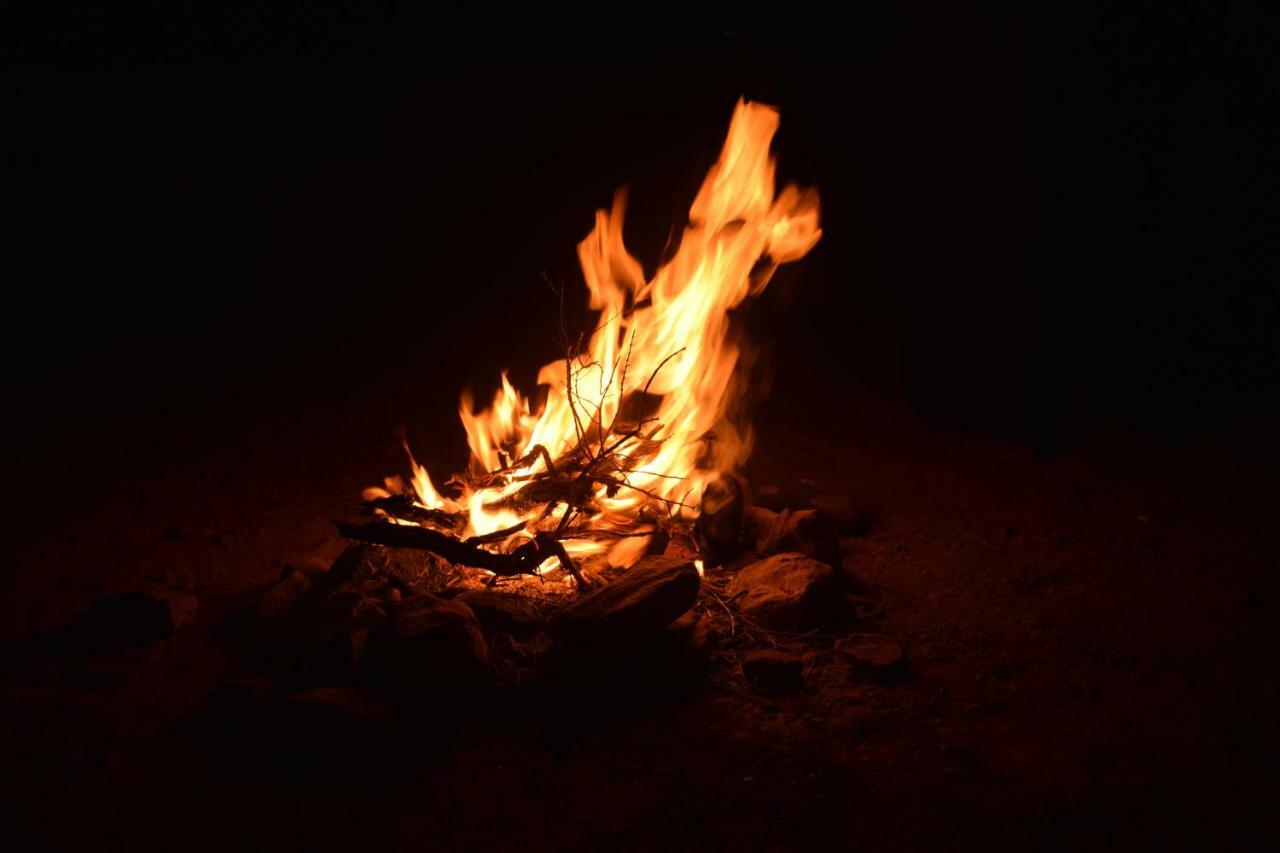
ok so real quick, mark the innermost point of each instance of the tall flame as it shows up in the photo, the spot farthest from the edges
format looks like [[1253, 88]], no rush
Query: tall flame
[[660, 360]]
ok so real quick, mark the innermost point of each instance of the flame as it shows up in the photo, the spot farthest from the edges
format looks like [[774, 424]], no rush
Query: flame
[[658, 374]]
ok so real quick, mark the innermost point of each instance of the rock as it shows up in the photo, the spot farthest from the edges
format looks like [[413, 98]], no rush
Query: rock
[[318, 560], [807, 531], [773, 671], [142, 618], [720, 517], [690, 638], [757, 521], [873, 657], [352, 610], [282, 595], [847, 517], [678, 652], [787, 591], [342, 703], [337, 656], [353, 565], [500, 611], [793, 495], [433, 643], [645, 599], [241, 690]]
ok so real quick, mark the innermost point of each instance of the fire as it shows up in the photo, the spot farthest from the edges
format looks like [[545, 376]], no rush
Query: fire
[[646, 406]]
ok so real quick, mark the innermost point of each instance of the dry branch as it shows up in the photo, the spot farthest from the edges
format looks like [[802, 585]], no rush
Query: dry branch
[[524, 560]]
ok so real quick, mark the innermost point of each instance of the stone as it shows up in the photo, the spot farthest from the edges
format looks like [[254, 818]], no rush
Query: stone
[[873, 657], [757, 521], [433, 643], [689, 638], [341, 701], [807, 531], [241, 690], [645, 599], [720, 517], [678, 652], [337, 656], [282, 595], [787, 591], [792, 495], [142, 618], [773, 671], [847, 517], [500, 611]]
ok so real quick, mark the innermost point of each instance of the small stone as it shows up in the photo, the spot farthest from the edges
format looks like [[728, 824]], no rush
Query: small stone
[[317, 561], [282, 595], [793, 495], [757, 521], [873, 657], [847, 517], [772, 671], [180, 603], [720, 517], [433, 643], [645, 599], [142, 618], [241, 690], [807, 531], [346, 702], [500, 611], [674, 655], [787, 591]]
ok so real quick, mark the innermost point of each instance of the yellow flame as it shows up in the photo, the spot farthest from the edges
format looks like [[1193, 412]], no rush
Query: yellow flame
[[668, 335]]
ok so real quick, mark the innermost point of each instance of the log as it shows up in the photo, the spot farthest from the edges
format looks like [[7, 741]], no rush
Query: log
[[522, 561], [403, 506]]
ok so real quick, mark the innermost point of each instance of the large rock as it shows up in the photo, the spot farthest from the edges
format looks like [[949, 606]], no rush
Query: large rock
[[787, 591], [433, 643], [640, 603]]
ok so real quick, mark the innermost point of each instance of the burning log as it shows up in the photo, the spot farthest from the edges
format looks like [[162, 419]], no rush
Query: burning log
[[524, 560], [615, 457]]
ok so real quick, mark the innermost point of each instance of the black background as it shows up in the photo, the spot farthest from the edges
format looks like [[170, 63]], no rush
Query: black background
[[1034, 228]]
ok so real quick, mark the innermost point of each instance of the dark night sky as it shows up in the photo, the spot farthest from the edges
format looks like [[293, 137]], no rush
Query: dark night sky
[[1034, 228]]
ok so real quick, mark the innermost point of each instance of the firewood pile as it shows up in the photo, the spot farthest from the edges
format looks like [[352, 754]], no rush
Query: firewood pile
[[557, 501], [417, 613]]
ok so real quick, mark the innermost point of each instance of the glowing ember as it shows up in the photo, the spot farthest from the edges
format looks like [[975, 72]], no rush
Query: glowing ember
[[639, 421]]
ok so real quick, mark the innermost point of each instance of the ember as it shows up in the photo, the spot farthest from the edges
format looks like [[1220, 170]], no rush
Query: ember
[[641, 425]]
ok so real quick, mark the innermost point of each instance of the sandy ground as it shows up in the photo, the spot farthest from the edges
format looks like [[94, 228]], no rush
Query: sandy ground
[[1090, 639]]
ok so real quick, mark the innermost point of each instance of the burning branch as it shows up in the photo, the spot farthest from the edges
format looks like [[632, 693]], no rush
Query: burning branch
[[524, 560], [599, 461]]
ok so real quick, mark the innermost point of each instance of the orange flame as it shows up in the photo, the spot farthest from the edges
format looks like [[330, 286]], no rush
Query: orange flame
[[660, 362]]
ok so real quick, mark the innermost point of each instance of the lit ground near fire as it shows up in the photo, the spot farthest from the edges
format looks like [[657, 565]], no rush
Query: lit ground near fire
[[1088, 639]]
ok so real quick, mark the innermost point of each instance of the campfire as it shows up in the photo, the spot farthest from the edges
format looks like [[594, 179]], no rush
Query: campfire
[[634, 447]]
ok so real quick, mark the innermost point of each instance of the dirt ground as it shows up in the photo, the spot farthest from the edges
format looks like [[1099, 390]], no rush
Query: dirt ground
[[1089, 637]]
